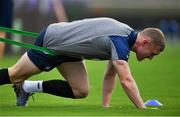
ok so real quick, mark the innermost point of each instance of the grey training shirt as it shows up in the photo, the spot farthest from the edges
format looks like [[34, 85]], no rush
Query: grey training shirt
[[95, 38]]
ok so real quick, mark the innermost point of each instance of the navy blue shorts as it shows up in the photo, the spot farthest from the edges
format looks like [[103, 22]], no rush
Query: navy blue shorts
[[6, 13], [47, 62]]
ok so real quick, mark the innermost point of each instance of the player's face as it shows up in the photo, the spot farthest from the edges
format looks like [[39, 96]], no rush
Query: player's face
[[147, 51]]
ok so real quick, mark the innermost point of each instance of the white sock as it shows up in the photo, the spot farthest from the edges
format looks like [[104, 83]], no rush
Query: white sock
[[32, 86]]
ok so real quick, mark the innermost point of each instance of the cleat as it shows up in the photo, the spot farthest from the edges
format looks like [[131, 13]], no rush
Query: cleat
[[21, 96]]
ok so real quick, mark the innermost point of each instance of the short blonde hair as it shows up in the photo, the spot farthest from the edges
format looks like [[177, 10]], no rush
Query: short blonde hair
[[156, 35]]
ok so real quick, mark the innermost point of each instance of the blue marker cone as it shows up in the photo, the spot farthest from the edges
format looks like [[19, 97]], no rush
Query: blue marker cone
[[153, 102]]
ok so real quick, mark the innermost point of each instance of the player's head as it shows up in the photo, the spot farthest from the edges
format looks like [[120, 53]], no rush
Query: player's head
[[149, 42]]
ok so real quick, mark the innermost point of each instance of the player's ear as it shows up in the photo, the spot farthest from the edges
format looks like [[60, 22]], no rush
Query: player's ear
[[145, 42]]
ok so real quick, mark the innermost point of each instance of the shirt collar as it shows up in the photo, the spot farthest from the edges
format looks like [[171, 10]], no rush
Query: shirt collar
[[132, 38]]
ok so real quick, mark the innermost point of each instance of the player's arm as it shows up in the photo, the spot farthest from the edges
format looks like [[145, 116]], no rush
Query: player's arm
[[108, 84], [59, 10], [128, 83]]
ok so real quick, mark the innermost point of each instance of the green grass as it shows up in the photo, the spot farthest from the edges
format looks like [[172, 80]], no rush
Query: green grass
[[157, 79]]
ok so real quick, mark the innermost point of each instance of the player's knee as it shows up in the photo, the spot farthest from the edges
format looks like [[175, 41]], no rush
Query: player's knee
[[82, 93]]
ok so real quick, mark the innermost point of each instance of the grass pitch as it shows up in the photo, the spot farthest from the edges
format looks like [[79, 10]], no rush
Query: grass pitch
[[157, 79]]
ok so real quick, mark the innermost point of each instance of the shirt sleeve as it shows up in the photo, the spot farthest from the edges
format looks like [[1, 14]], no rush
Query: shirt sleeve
[[119, 48]]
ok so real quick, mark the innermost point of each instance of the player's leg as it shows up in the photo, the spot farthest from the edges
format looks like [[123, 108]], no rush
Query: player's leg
[[6, 16], [76, 84], [76, 75], [71, 68], [2, 44], [23, 69]]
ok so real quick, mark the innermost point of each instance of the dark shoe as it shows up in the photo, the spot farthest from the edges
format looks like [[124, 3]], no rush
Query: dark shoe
[[21, 96]]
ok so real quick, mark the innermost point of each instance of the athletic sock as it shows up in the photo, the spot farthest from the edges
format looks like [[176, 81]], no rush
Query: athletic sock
[[32, 86], [4, 77], [58, 88]]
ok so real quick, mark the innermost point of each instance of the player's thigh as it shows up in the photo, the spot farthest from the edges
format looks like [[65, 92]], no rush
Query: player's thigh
[[76, 75], [23, 69]]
